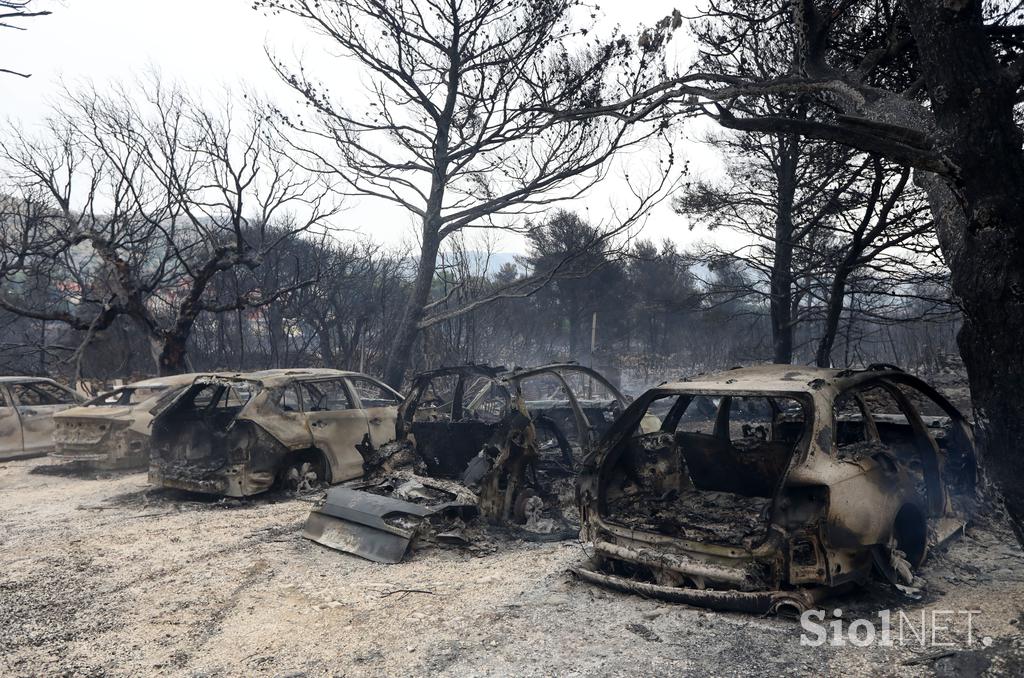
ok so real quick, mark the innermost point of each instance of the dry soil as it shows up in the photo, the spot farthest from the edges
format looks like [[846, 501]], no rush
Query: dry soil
[[108, 576]]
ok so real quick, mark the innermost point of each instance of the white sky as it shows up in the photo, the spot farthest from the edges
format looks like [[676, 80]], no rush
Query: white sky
[[208, 44]]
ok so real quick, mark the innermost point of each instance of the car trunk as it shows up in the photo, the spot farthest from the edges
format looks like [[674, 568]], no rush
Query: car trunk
[[88, 435]]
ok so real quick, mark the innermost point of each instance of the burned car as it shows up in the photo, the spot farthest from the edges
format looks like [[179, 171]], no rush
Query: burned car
[[765, 489], [112, 430], [242, 434], [27, 407], [473, 441]]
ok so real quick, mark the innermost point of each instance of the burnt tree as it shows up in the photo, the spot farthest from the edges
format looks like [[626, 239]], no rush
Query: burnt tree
[[150, 199], [12, 14], [452, 128]]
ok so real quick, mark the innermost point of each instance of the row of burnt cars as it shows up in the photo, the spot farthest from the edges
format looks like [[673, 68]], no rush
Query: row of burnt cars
[[759, 489]]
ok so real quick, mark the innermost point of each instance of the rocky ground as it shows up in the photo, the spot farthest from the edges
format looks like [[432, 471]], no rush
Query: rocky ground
[[107, 576]]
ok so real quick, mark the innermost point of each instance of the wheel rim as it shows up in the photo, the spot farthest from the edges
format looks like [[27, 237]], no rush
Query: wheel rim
[[303, 477], [899, 564]]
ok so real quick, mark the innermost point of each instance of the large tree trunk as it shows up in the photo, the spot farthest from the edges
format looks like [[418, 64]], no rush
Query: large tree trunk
[[173, 354], [171, 345], [972, 100], [992, 346]]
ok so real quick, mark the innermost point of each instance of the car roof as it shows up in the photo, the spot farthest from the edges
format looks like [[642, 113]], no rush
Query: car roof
[[169, 381], [784, 378], [26, 380], [277, 377]]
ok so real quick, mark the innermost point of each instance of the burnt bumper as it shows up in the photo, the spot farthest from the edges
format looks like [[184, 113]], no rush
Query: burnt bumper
[[91, 454], [795, 601], [119, 449], [229, 481]]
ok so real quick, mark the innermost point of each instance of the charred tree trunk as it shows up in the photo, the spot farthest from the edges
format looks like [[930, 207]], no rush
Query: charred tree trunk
[[400, 356], [408, 329], [323, 335], [781, 280], [973, 103], [173, 354], [278, 336], [834, 313], [781, 284]]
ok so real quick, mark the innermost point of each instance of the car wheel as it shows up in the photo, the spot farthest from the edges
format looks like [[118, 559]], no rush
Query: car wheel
[[906, 550], [523, 506], [303, 474]]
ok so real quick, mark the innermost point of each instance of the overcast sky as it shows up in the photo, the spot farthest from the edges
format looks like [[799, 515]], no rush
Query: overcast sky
[[208, 44]]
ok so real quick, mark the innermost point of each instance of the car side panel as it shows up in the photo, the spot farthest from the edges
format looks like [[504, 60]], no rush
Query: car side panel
[[862, 507], [381, 418], [37, 427], [381, 422], [336, 433], [291, 429]]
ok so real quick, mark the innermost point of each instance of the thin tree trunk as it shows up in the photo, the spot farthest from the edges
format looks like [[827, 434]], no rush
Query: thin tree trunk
[[401, 353], [836, 303], [781, 279]]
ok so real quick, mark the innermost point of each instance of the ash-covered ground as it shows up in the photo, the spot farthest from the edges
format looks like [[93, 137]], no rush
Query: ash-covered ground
[[107, 576]]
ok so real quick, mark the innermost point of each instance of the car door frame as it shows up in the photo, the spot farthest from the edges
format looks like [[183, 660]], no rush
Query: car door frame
[[925, 446], [381, 421], [9, 410], [41, 413]]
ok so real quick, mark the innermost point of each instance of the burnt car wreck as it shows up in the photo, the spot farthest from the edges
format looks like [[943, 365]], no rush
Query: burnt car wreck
[[27, 409], [766, 489], [473, 442], [112, 430], [242, 434]]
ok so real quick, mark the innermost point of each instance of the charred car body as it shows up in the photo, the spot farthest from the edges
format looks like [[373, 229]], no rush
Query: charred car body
[[242, 434], [472, 441], [27, 408], [765, 489], [112, 430]]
